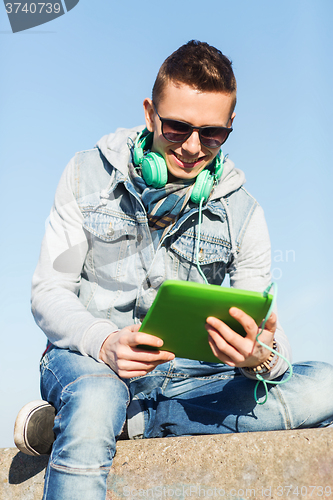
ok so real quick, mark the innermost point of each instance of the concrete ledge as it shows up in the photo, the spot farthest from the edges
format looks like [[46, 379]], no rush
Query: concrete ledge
[[275, 465]]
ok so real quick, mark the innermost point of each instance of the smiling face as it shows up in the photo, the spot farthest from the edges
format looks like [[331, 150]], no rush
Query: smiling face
[[185, 160]]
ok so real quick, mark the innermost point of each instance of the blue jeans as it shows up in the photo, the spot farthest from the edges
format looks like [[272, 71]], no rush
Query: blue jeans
[[179, 398]]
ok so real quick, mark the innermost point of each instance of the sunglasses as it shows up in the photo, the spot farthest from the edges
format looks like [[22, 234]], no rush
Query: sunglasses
[[177, 131]]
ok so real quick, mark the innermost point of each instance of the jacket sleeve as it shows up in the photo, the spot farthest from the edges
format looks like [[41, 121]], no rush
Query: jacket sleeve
[[251, 271], [56, 282]]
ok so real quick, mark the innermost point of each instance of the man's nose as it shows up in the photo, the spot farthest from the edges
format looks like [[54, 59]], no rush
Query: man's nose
[[192, 145]]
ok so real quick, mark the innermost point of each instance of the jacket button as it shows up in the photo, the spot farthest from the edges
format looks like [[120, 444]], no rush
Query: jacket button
[[139, 238], [110, 230], [201, 256]]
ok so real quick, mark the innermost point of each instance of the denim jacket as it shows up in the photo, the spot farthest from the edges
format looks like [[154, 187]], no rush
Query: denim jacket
[[99, 269]]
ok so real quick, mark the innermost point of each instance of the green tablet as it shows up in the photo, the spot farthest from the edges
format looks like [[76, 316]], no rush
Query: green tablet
[[179, 311]]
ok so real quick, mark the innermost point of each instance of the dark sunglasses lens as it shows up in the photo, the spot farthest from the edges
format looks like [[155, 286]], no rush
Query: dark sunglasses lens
[[211, 137], [175, 131], [214, 137]]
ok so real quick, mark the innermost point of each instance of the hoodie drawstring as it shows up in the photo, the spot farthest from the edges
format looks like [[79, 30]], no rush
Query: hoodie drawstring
[[105, 193]]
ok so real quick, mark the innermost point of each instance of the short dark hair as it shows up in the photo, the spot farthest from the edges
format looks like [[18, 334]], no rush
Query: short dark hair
[[198, 65]]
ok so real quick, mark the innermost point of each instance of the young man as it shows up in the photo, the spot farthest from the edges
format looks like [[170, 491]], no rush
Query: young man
[[125, 219]]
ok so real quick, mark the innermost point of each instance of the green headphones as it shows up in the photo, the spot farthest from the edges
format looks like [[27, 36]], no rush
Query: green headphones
[[155, 171]]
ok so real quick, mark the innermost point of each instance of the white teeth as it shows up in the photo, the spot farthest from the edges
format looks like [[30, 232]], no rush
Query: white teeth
[[185, 160]]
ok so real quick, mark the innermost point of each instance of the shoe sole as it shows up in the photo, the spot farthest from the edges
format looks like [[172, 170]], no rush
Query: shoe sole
[[21, 426]]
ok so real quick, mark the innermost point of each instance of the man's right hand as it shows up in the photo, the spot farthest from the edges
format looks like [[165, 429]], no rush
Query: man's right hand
[[120, 352]]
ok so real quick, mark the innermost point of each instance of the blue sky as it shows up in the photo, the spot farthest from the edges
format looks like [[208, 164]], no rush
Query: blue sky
[[69, 82]]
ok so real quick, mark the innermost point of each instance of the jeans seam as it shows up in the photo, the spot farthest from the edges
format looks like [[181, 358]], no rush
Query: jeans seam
[[287, 418], [46, 480], [79, 470], [54, 375], [168, 376], [208, 377], [65, 388], [185, 376], [171, 374], [143, 410]]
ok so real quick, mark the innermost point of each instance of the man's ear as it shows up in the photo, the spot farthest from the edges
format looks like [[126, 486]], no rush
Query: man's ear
[[232, 118], [149, 114]]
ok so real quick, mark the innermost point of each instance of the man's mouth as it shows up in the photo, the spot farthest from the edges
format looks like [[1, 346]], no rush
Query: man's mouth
[[187, 162]]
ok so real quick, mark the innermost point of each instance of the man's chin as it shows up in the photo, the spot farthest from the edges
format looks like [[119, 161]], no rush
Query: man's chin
[[184, 174]]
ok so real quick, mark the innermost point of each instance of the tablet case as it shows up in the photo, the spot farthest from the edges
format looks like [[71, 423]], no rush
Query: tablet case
[[179, 311]]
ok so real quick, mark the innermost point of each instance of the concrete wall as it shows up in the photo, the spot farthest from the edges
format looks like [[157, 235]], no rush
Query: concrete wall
[[276, 465]]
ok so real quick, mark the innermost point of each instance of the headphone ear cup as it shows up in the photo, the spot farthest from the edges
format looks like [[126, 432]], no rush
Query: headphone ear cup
[[143, 141], [137, 155], [154, 170], [219, 165], [202, 187]]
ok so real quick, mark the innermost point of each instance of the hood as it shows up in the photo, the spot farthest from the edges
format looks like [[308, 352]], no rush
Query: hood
[[116, 149]]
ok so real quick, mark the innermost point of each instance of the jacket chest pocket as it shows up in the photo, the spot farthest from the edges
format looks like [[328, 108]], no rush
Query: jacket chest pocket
[[112, 241], [214, 256]]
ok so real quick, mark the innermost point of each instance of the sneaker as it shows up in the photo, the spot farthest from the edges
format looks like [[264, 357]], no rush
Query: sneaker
[[33, 432]]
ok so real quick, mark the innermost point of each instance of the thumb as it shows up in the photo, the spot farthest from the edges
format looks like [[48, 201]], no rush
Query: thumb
[[135, 327]]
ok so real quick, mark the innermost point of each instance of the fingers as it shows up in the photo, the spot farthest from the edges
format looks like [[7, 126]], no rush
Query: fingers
[[248, 323], [235, 350], [228, 334], [128, 348], [136, 338], [271, 323], [129, 368], [135, 363], [121, 353], [226, 345], [217, 351], [142, 356]]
